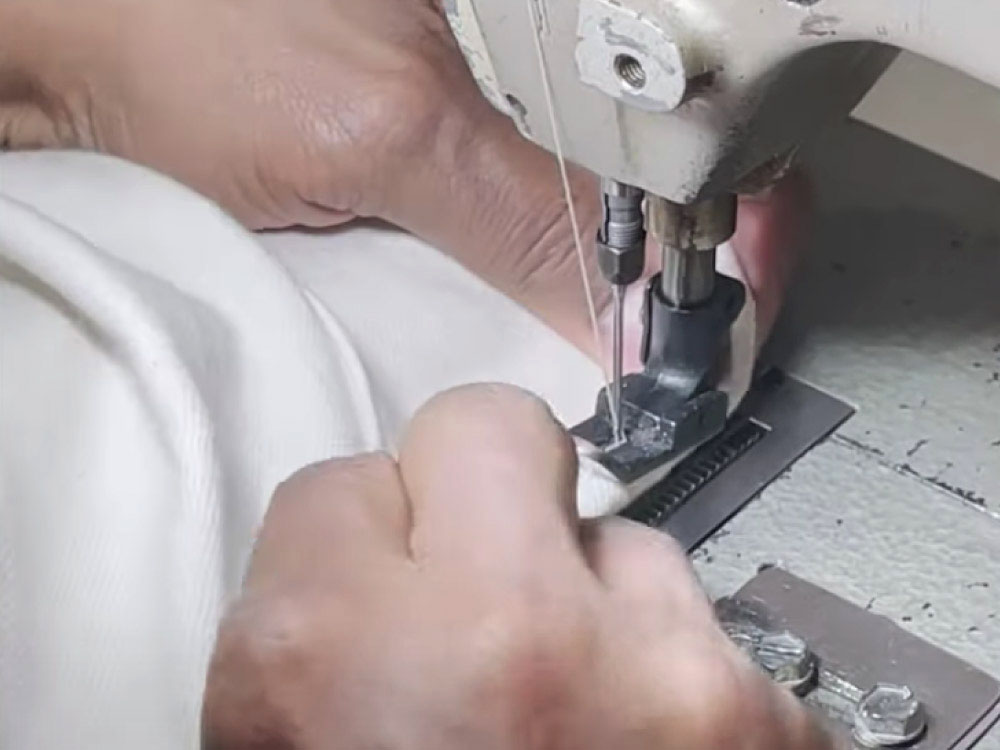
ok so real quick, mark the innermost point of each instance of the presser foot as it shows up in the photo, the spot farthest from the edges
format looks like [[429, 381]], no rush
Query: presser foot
[[672, 406]]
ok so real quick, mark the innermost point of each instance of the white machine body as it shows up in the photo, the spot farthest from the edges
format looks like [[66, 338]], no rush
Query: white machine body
[[691, 99]]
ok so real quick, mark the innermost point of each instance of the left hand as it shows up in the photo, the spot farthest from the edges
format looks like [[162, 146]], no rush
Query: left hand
[[311, 112]]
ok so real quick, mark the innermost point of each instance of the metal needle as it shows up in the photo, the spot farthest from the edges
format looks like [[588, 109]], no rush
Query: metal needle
[[617, 345]]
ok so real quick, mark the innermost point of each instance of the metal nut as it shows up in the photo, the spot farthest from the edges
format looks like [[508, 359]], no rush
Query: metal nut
[[786, 658], [889, 716]]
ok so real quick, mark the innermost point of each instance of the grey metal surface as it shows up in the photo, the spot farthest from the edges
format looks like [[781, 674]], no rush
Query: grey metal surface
[[859, 650], [794, 416], [896, 310]]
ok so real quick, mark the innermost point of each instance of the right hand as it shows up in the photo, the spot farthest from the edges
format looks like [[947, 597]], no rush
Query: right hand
[[453, 600], [315, 111]]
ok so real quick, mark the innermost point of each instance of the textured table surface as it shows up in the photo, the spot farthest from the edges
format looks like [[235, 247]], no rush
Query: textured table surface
[[896, 310]]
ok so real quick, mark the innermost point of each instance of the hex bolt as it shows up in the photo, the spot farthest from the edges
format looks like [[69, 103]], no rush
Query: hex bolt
[[787, 659], [889, 716]]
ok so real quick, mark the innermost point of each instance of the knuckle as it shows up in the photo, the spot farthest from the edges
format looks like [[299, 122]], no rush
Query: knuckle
[[259, 672], [534, 656], [264, 639], [725, 698]]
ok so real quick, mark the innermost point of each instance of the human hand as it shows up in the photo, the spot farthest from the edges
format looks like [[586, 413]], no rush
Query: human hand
[[453, 600], [315, 111]]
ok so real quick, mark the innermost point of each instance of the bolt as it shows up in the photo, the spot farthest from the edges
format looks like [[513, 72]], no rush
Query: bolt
[[787, 659], [889, 716]]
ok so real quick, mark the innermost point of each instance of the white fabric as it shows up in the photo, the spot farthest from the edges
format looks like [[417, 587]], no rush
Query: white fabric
[[160, 371]]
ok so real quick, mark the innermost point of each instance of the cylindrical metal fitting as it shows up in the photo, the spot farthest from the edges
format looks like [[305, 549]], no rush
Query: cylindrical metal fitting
[[698, 226], [688, 236], [688, 277], [621, 237], [622, 224]]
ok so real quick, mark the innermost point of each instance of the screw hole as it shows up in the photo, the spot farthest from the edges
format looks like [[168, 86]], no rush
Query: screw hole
[[630, 72]]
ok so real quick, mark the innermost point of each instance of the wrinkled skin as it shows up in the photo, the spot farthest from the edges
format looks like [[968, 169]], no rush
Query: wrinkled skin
[[315, 111], [453, 599]]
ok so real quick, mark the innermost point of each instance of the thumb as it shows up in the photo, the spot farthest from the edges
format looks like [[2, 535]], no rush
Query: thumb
[[491, 478]]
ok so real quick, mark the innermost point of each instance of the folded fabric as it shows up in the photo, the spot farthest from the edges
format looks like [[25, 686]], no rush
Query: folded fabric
[[161, 370]]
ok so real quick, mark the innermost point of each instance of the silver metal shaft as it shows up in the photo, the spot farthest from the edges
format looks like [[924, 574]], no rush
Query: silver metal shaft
[[617, 345], [688, 277]]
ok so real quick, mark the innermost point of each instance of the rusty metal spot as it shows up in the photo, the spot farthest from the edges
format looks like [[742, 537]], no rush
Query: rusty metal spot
[[819, 25]]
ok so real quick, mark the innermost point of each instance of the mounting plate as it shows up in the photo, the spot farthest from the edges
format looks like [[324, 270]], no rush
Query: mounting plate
[[857, 648]]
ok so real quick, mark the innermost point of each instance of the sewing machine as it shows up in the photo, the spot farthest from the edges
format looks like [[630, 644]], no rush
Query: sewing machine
[[680, 105]]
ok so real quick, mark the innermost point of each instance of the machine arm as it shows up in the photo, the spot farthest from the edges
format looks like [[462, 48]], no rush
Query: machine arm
[[688, 99]]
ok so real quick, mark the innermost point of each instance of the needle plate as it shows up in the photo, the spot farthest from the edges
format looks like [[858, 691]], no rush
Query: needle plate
[[780, 420]]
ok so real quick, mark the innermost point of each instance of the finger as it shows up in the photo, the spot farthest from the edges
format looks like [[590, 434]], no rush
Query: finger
[[770, 230], [492, 479], [646, 569], [345, 519], [25, 125], [774, 718], [798, 727]]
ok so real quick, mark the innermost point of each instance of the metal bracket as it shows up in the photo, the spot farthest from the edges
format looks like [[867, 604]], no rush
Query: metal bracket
[[854, 650]]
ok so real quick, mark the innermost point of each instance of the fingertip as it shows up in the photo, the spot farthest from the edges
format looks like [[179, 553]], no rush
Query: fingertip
[[488, 414], [491, 475]]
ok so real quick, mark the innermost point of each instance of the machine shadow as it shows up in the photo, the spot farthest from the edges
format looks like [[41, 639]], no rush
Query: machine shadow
[[906, 246]]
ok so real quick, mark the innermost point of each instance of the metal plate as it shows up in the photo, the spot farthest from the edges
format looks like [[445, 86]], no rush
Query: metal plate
[[780, 419], [858, 649]]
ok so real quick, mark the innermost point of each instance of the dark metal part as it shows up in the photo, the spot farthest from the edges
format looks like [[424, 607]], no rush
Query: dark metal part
[[779, 420], [658, 425], [682, 348], [620, 266], [694, 472], [669, 408], [857, 650]]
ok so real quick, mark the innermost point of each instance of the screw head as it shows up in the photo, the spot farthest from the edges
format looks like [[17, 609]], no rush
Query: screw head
[[786, 658], [889, 716]]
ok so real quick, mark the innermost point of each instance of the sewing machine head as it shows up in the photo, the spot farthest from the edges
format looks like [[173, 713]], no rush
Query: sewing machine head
[[684, 99], [687, 103]]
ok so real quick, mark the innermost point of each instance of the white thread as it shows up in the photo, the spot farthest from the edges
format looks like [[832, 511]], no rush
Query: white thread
[[568, 193]]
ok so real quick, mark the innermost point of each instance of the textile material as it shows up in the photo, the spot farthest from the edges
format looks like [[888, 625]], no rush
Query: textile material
[[161, 370]]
